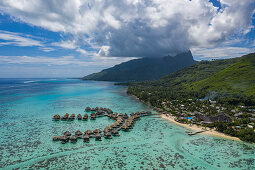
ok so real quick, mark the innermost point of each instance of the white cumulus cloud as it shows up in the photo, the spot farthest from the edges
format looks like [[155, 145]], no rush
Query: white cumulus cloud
[[137, 28]]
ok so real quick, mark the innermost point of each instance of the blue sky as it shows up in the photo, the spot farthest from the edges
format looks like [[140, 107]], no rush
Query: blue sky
[[74, 38]]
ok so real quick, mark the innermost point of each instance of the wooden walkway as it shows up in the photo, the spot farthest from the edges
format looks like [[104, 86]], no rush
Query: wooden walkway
[[194, 133]]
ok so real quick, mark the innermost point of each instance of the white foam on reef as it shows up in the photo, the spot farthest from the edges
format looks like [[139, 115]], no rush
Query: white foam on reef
[[29, 81]]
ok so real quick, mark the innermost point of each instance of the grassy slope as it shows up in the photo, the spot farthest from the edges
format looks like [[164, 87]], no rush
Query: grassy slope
[[197, 72], [237, 78], [233, 79]]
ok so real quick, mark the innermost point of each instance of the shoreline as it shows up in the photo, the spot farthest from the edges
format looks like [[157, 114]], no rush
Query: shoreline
[[193, 127]]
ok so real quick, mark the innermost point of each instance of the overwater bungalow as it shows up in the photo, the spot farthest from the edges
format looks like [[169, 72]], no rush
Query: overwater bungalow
[[129, 125], [114, 117], [97, 131], [148, 112], [109, 111], [57, 138], [72, 117], [93, 116], [120, 115], [125, 128], [100, 112], [115, 133], [108, 135], [73, 139], [64, 139], [119, 118], [93, 109], [56, 117], [65, 117], [106, 130], [109, 116], [78, 134], [89, 132], [87, 109], [86, 138], [98, 136], [109, 127], [67, 133], [85, 117], [79, 116], [117, 123], [114, 125], [125, 116]]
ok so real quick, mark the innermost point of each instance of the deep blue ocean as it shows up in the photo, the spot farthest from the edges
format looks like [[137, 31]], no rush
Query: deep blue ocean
[[26, 130]]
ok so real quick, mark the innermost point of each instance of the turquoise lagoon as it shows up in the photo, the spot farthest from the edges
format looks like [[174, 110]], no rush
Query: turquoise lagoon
[[27, 107]]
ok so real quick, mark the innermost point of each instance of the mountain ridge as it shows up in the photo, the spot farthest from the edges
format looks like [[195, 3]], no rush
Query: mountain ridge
[[144, 68], [231, 80]]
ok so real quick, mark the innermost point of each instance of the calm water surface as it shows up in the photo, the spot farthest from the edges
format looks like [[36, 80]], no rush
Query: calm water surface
[[27, 107]]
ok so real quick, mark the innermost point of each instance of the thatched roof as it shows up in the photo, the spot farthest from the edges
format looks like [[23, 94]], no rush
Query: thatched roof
[[88, 132], [107, 134], [78, 133], [109, 127], [125, 116], [115, 132], [87, 109], [97, 131], [67, 133], [86, 136], [73, 137], [64, 138], [98, 135], [93, 109], [56, 116]]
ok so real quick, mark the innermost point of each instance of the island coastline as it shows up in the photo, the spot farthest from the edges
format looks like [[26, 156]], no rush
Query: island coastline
[[193, 127]]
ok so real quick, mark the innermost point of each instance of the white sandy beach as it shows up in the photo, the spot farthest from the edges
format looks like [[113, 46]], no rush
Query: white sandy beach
[[198, 128]]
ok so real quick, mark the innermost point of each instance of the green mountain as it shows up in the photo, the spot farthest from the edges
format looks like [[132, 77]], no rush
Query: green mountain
[[237, 78], [144, 68], [231, 79]]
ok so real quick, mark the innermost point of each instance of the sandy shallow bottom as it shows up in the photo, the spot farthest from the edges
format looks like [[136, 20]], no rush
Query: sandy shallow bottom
[[26, 131], [198, 128]]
